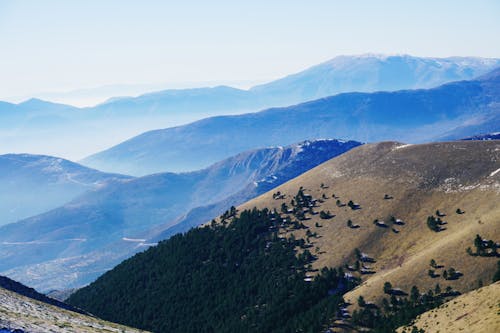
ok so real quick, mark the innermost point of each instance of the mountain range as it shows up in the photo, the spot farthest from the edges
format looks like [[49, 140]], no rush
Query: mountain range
[[240, 215], [71, 245], [33, 184], [487, 136], [451, 111], [36, 126]]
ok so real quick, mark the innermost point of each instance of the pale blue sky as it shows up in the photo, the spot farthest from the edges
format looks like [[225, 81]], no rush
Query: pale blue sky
[[64, 45]]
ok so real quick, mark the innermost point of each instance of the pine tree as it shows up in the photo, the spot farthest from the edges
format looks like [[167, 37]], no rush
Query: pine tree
[[496, 277], [433, 263], [437, 289], [387, 287], [414, 294]]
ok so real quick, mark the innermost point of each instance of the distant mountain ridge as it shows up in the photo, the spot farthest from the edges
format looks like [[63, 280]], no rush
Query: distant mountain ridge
[[49, 128], [348, 73], [490, 136], [451, 111], [33, 184], [71, 245], [376, 72]]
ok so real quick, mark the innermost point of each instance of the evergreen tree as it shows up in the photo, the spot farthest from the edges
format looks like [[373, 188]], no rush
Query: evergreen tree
[[387, 287], [414, 294], [437, 289], [496, 277]]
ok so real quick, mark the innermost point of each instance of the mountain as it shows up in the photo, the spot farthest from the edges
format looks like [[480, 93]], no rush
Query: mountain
[[33, 184], [451, 111], [459, 179], [361, 73], [397, 218], [218, 279], [475, 311], [42, 127], [374, 72], [490, 136], [71, 245], [24, 310], [33, 110]]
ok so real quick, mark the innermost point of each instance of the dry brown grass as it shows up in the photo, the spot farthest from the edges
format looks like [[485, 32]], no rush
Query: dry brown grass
[[477, 311], [422, 179]]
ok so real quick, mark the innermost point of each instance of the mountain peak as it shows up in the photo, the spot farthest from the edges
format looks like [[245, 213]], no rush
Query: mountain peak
[[34, 102]]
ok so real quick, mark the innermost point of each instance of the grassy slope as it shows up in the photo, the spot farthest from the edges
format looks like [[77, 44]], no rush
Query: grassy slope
[[477, 311], [19, 312], [421, 178]]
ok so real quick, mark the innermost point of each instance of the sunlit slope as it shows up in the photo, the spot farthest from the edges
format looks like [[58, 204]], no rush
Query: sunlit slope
[[477, 311], [418, 179]]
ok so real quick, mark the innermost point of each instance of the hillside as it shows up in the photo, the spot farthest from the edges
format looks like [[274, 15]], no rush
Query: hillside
[[419, 179], [477, 311], [20, 314], [73, 244], [455, 110], [33, 184], [216, 279], [368, 186], [18, 288]]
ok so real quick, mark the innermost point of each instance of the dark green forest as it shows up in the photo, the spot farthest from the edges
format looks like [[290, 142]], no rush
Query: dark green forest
[[399, 310], [225, 277]]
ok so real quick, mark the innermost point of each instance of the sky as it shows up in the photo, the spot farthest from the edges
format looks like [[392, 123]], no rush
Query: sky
[[52, 47]]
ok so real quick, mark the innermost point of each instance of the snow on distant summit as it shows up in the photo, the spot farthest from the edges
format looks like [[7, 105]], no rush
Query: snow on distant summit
[[376, 72]]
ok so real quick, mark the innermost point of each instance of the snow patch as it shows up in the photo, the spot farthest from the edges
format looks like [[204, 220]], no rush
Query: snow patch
[[146, 244], [404, 146], [495, 172], [135, 240]]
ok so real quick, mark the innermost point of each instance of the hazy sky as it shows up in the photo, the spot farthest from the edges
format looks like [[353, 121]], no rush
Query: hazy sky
[[64, 45]]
